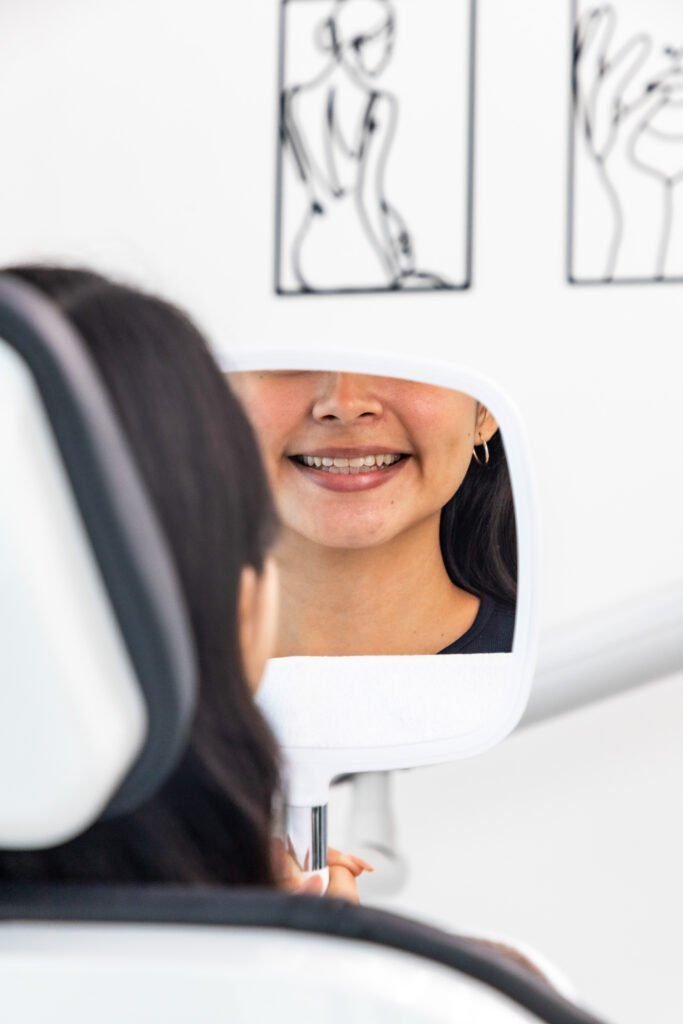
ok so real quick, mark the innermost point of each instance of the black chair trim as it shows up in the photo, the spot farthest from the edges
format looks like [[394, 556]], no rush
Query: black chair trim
[[245, 908]]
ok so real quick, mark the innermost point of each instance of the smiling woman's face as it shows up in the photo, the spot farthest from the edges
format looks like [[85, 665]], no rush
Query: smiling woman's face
[[355, 460]]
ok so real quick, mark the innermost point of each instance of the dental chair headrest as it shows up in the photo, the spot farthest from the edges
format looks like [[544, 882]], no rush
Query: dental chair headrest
[[97, 664]]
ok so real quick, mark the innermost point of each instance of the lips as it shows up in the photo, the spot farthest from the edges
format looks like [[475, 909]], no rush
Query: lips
[[350, 469]]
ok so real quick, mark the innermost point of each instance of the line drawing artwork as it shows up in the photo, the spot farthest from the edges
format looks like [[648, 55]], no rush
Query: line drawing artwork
[[364, 123], [626, 220]]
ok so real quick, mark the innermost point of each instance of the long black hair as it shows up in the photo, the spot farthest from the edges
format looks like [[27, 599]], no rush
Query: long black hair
[[211, 822], [477, 531]]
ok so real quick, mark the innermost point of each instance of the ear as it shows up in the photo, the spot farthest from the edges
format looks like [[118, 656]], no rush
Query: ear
[[257, 612], [486, 425]]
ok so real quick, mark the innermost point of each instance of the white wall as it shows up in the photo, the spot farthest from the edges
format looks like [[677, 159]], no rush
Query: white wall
[[139, 135]]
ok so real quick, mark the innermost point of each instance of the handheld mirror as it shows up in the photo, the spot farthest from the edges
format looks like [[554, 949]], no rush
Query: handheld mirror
[[407, 559]]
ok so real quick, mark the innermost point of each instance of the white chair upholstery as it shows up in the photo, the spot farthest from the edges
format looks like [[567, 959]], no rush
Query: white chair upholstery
[[110, 953], [113, 973]]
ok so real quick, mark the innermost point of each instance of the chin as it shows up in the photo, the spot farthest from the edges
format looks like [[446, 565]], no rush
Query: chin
[[342, 537]]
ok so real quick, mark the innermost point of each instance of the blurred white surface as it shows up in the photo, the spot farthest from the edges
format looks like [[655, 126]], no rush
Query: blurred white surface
[[210, 975], [569, 837]]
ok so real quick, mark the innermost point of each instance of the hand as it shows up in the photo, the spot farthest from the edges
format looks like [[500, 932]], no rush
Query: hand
[[606, 86], [344, 869]]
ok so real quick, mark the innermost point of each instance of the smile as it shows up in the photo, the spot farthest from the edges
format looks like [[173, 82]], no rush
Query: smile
[[355, 471], [361, 464]]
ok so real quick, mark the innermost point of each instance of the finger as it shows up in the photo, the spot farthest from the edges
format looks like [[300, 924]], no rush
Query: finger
[[338, 856], [348, 860], [362, 863], [343, 885], [291, 883], [312, 886], [337, 859]]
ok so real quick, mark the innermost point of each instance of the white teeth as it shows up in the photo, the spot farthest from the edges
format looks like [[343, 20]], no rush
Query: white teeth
[[366, 463]]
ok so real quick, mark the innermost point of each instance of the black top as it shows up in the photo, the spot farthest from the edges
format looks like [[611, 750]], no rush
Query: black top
[[490, 633]]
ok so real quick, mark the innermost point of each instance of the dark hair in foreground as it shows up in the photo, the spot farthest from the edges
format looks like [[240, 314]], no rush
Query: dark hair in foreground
[[478, 533], [211, 821]]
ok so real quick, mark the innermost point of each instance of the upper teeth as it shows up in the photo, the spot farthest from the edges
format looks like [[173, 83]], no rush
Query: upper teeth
[[349, 465]]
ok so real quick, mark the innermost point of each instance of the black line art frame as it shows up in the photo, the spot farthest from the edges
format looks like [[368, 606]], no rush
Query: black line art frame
[[620, 110], [281, 156]]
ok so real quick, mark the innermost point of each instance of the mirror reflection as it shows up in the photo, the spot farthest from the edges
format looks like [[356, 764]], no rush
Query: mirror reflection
[[397, 518]]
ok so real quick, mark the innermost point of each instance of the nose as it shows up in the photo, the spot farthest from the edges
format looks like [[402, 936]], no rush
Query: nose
[[345, 398]]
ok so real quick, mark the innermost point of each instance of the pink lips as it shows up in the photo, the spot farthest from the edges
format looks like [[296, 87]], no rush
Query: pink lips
[[351, 482]]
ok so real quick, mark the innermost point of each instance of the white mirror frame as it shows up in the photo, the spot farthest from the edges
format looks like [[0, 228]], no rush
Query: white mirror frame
[[334, 715]]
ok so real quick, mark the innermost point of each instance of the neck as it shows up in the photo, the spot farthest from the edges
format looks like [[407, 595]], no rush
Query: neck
[[393, 598]]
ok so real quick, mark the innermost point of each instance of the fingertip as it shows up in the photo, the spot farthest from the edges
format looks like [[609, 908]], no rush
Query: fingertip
[[313, 886], [364, 864]]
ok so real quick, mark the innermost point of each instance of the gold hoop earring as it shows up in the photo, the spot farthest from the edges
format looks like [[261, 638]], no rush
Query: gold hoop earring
[[486, 453]]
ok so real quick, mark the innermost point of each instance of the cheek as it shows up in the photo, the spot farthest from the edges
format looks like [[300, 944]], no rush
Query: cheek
[[447, 452], [443, 478], [271, 419], [457, 471], [433, 413], [271, 430]]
